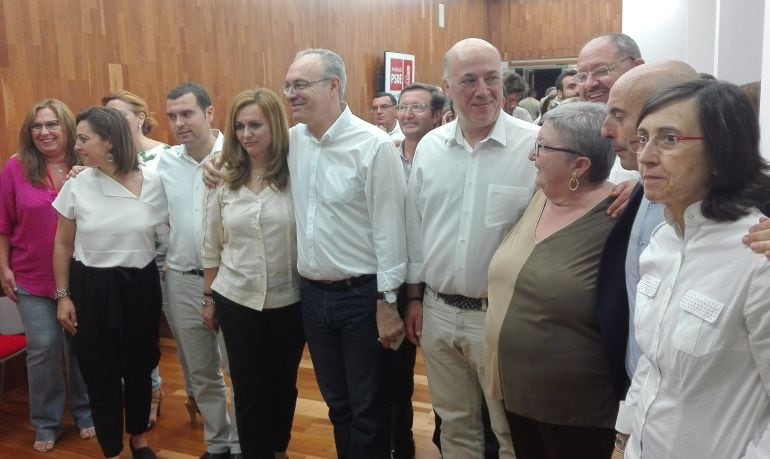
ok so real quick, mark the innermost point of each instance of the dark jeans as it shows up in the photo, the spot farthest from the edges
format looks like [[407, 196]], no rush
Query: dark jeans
[[350, 364], [117, 345], [400, 384], [264, 349], [540, 440]]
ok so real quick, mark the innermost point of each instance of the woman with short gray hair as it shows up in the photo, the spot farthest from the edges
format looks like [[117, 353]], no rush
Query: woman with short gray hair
[[543, 350]]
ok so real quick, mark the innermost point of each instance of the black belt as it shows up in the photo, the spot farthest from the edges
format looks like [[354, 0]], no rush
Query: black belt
[[197, 272], [341, 285], [463, 302]]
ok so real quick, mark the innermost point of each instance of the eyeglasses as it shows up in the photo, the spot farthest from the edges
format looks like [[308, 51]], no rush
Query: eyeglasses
[[301, 85], [473, 83], [539, 146], [414, 108], [661, 141], [380, 108], [50, 126], [599, 72]]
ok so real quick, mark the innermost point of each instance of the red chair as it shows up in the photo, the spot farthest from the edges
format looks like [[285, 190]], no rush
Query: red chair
[[10, 347]]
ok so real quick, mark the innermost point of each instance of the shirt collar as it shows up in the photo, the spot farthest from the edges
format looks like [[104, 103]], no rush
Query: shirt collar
[[339, 125], [693, 219], [216, 148], [455, 135]]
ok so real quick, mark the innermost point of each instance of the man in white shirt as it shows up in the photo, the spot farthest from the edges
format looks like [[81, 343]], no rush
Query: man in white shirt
[[384, 114], [189, 112], [471, 181], [348, 189]]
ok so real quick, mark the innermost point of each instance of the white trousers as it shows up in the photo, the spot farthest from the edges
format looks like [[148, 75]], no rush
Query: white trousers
[[453, 349], [201, 349]]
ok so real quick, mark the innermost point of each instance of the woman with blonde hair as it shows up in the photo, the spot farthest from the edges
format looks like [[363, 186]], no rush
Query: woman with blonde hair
[[141, 121], [251, 285], [29, 183]]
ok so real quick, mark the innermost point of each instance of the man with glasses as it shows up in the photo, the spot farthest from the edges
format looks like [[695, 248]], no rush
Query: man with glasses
[[348, 190], [384, 113], [601, 62], [470, 182]]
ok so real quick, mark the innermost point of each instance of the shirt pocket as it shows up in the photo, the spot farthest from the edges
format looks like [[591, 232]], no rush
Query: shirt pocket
[[505, 204], [696, 329], [646, 291], [339, 184]]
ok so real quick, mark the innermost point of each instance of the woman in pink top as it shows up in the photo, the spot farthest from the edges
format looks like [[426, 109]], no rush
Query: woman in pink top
[[28, 185]]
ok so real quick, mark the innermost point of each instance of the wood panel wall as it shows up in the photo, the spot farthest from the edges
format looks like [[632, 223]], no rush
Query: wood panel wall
[[544, 29], [79, 50]]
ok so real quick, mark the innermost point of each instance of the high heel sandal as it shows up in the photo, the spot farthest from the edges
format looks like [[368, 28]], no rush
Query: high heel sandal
[[155, 408], [192, 408]]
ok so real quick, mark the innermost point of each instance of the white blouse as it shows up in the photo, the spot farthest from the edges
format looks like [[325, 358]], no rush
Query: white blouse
[[114, 227], [702, 319], [252, 239]]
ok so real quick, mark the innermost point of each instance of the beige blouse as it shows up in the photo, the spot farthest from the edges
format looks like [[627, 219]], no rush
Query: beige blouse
[[252, 239], [543, 347]]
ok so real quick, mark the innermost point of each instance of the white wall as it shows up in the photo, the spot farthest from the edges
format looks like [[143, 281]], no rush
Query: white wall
[[729, 39]]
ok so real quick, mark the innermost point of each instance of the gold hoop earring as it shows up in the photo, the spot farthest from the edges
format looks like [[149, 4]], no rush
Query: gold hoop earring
[[574, 183]]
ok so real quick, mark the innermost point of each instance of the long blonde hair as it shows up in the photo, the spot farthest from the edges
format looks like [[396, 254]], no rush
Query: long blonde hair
[[237, 164]]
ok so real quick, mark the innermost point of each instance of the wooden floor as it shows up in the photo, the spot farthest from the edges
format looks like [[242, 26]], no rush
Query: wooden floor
[[175, 438]]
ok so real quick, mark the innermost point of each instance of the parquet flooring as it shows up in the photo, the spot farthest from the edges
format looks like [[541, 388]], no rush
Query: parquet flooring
[[175, 438]]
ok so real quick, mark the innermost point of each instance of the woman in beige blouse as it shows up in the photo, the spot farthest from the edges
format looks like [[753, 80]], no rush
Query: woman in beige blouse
[[251, 287], [544, 354]]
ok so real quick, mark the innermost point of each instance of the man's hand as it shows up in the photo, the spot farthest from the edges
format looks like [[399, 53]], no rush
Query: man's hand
[[8, 281], [389, 325], [759, 237], [212, 171], [413, 320], [621, 192], [65, 312]]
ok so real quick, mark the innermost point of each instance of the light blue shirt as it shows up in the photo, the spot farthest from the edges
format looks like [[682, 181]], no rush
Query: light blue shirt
[[648, 217]]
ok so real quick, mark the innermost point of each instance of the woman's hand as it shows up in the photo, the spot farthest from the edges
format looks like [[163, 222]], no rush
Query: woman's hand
[[8, 281], [75, 171], [208, 314], [65, 312]]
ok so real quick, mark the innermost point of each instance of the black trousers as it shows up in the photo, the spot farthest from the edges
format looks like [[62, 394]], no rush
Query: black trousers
[[400, 385], [533, 439], [264, 349], [118, 314]]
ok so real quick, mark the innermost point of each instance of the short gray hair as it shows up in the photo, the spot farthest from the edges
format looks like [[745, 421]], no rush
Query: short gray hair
[[331, 65], [624, 45], [579, 127]]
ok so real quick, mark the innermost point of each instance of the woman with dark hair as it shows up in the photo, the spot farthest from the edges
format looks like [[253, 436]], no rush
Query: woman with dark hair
[[29, 183], [702, 318], [544, 349], [109, 295], [251, 285]]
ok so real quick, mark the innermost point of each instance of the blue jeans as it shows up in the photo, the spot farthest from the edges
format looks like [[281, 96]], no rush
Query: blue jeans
[[349, 362], [48, 350]]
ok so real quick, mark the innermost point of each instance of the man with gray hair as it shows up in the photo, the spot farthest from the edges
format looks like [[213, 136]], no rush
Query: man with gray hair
[[470, 182], [601, 62], [348, 189]]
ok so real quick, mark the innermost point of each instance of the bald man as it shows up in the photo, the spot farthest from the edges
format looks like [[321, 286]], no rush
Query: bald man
[[619, 264], [470, 182]]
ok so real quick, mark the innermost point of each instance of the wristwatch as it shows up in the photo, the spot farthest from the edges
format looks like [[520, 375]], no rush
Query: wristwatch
[[620, 442], [390, 296]]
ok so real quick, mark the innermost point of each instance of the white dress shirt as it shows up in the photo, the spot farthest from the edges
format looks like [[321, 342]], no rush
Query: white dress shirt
[[396, 135], [702, 320], [348, 189], [252, 238], [182, 178], [114, 226], [462, 201]]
